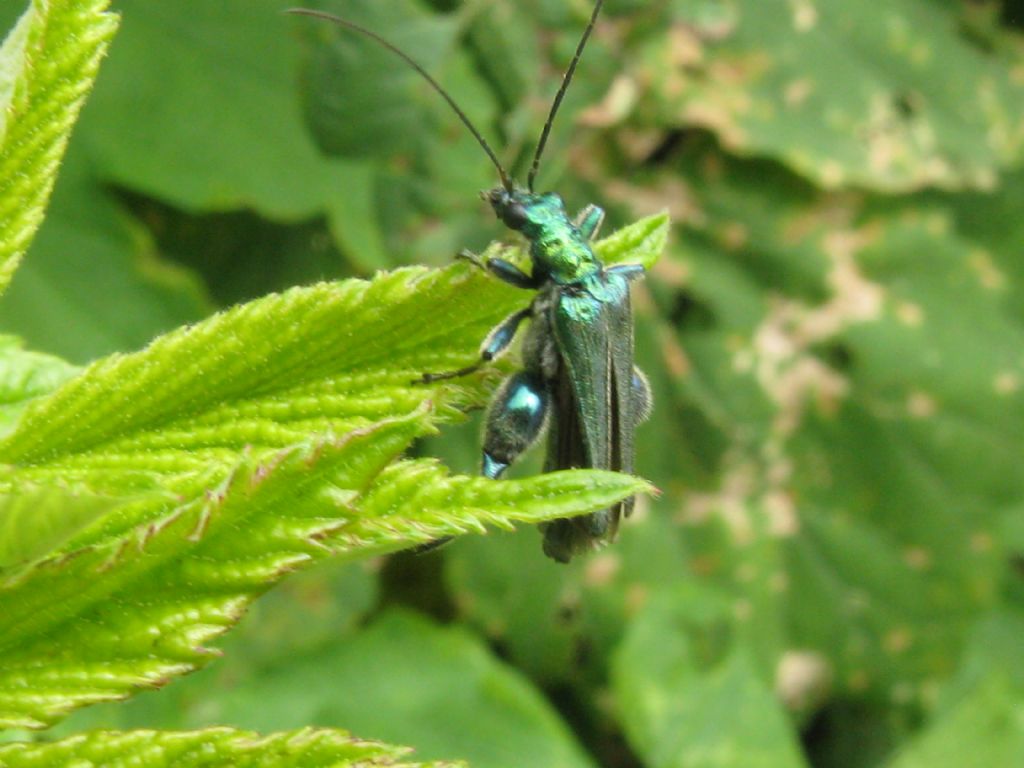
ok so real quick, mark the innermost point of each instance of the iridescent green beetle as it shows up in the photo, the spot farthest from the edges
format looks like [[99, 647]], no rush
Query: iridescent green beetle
[[578, 379]]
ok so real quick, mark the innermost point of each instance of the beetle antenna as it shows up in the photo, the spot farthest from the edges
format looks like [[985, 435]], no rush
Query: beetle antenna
[[506, 181], [566, 79]]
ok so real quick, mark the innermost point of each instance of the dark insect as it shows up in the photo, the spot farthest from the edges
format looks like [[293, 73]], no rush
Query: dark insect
[[578, 379]]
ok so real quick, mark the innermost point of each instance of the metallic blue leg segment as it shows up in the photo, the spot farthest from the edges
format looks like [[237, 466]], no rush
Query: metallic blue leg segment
[[589, 221], [509, 273]]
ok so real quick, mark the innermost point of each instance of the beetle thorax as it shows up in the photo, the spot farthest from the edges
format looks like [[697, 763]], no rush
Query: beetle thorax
[[557, 248]]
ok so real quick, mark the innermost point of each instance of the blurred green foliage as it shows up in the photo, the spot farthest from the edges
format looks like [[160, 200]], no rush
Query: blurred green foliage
[[835, 339]]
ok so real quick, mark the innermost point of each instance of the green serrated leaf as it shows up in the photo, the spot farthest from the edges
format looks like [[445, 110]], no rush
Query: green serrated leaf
[[47, 66], [12, 66], [275, 418], [640, 243], [419, 495], [326, 358], [305, 747], [101, 620], [35, 522]]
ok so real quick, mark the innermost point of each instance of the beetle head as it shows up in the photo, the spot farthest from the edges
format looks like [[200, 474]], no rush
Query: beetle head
[[509, 207]]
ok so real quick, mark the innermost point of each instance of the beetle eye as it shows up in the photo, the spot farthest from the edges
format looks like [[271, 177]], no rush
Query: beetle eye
[[514, 215]]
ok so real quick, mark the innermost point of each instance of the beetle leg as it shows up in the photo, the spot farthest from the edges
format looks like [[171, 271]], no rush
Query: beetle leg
[[516, 419], [589, 220], [497, 341], [504, 270], [467, 255], [509, 273]]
